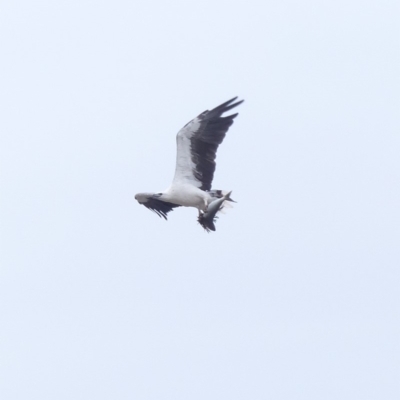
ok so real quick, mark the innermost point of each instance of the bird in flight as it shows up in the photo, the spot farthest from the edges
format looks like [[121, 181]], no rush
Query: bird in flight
[[197, 144]]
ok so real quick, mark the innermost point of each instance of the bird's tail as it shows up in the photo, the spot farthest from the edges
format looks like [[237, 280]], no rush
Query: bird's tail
[[217, 194]]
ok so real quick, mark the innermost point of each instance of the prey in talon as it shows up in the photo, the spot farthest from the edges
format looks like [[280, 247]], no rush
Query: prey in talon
[[207, 219]]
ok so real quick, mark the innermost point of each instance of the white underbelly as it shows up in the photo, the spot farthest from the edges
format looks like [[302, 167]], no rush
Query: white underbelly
[[188, 196]]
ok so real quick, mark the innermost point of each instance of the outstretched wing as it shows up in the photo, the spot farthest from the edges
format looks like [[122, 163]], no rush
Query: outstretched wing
[[161, 208], [197, 144]]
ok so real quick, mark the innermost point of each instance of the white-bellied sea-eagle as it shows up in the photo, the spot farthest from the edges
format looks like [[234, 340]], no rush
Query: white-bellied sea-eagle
[[197, 144]]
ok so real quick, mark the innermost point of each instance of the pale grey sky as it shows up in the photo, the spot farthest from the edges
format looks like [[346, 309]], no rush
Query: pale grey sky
[[296, 296]]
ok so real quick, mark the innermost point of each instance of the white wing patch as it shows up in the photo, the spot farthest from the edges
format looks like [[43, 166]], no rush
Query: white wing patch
[[184, 170]]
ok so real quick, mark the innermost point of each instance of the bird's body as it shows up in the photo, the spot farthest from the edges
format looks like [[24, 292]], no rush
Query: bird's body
[[197, 144], [187, 195]]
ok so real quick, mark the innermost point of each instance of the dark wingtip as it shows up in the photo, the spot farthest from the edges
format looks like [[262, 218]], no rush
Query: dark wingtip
[[224, 107], [231, 101], [159, 213], [159, 207]]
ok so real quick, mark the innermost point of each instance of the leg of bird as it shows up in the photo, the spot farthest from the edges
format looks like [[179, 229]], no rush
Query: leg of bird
[[205, 206]]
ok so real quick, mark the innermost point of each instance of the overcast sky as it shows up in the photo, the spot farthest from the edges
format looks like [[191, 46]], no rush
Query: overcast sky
[[295, 296]]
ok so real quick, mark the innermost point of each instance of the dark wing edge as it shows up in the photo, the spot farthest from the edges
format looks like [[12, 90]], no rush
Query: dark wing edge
[[205, 141], [161, 208], [207, 223]]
